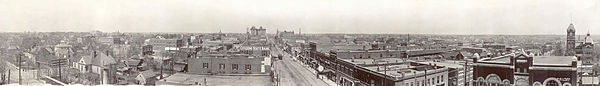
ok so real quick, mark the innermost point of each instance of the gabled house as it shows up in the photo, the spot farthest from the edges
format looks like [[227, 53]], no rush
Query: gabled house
[[98, 63], [146, 77]]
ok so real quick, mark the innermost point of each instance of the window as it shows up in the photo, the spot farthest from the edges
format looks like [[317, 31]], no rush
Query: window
[[234, 66], [438, 79], [442, 77], [221, 66], [552, 83], [380, 55], [248, 67], [204, 65]]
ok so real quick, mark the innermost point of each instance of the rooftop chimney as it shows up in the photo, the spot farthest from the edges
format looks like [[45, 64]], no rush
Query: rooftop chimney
[[94, 54]]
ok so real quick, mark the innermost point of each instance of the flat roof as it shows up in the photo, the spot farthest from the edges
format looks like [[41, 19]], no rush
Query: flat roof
[[561, 60], [216, 80], [396, 67], [537, 60], [371, 61], [447, 63]]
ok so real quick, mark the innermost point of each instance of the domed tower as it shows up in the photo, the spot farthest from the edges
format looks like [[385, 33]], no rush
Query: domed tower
[[570, 51]]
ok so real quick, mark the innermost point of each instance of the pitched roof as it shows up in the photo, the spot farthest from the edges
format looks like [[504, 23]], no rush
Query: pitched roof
[[148, 74], [101, 59], [87, 59]]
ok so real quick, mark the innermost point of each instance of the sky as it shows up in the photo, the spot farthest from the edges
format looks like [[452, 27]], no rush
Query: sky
[[518, 17]]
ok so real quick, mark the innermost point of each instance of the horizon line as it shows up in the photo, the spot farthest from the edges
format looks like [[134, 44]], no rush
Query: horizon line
[[294, 33]]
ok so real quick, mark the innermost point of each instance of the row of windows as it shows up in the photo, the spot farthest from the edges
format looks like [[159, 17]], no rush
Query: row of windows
[[434, 81], [233, 66], [264, 53], [369, 56]]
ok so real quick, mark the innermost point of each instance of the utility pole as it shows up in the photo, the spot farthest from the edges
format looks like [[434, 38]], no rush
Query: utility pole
[[19, 55], [162, 63], [59, 63], [59, 71], [426, 80], [8, 76], [173, 63], [465, 72]]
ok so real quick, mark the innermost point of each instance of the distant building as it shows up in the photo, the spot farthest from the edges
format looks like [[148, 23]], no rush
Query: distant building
[[229, 64], [256, 50], [494, 46], [525, 70], [147, 50], [372, 54], [162, 44], [475, 50], [258, 31], [285, 34], [63, 50], [110, 40], [570, 51], [121, 51], [588, 57]]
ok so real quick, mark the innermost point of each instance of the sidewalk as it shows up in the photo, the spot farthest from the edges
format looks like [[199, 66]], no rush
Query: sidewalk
[[324, 79]]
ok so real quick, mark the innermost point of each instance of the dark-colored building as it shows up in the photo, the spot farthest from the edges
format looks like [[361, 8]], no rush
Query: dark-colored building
[[525, 70], [229, 64], [570, 40]]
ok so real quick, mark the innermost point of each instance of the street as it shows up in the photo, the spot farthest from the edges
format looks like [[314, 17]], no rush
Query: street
[[292, 73]]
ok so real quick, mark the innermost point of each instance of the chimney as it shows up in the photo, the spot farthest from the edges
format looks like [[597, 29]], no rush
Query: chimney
[[94, 54]]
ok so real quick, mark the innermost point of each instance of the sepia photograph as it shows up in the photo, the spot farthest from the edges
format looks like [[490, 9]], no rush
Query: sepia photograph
[[299, 42]]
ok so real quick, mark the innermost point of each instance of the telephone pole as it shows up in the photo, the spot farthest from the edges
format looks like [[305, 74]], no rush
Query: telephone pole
[[19, 55], [59, 63]]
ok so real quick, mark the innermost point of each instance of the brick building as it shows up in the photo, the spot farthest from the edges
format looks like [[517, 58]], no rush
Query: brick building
[[525, 70], [229, 64]]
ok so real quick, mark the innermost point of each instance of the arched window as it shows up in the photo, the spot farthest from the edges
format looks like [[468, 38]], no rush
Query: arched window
[[481, 82], [552, 83], [537, 84]]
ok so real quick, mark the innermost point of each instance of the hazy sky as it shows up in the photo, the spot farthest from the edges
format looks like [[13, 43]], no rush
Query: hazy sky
[[313, 16]]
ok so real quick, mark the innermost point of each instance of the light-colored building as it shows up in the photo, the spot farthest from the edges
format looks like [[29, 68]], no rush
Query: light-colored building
[[63, 50], [258, 31], [97, 63], [159, 45]]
